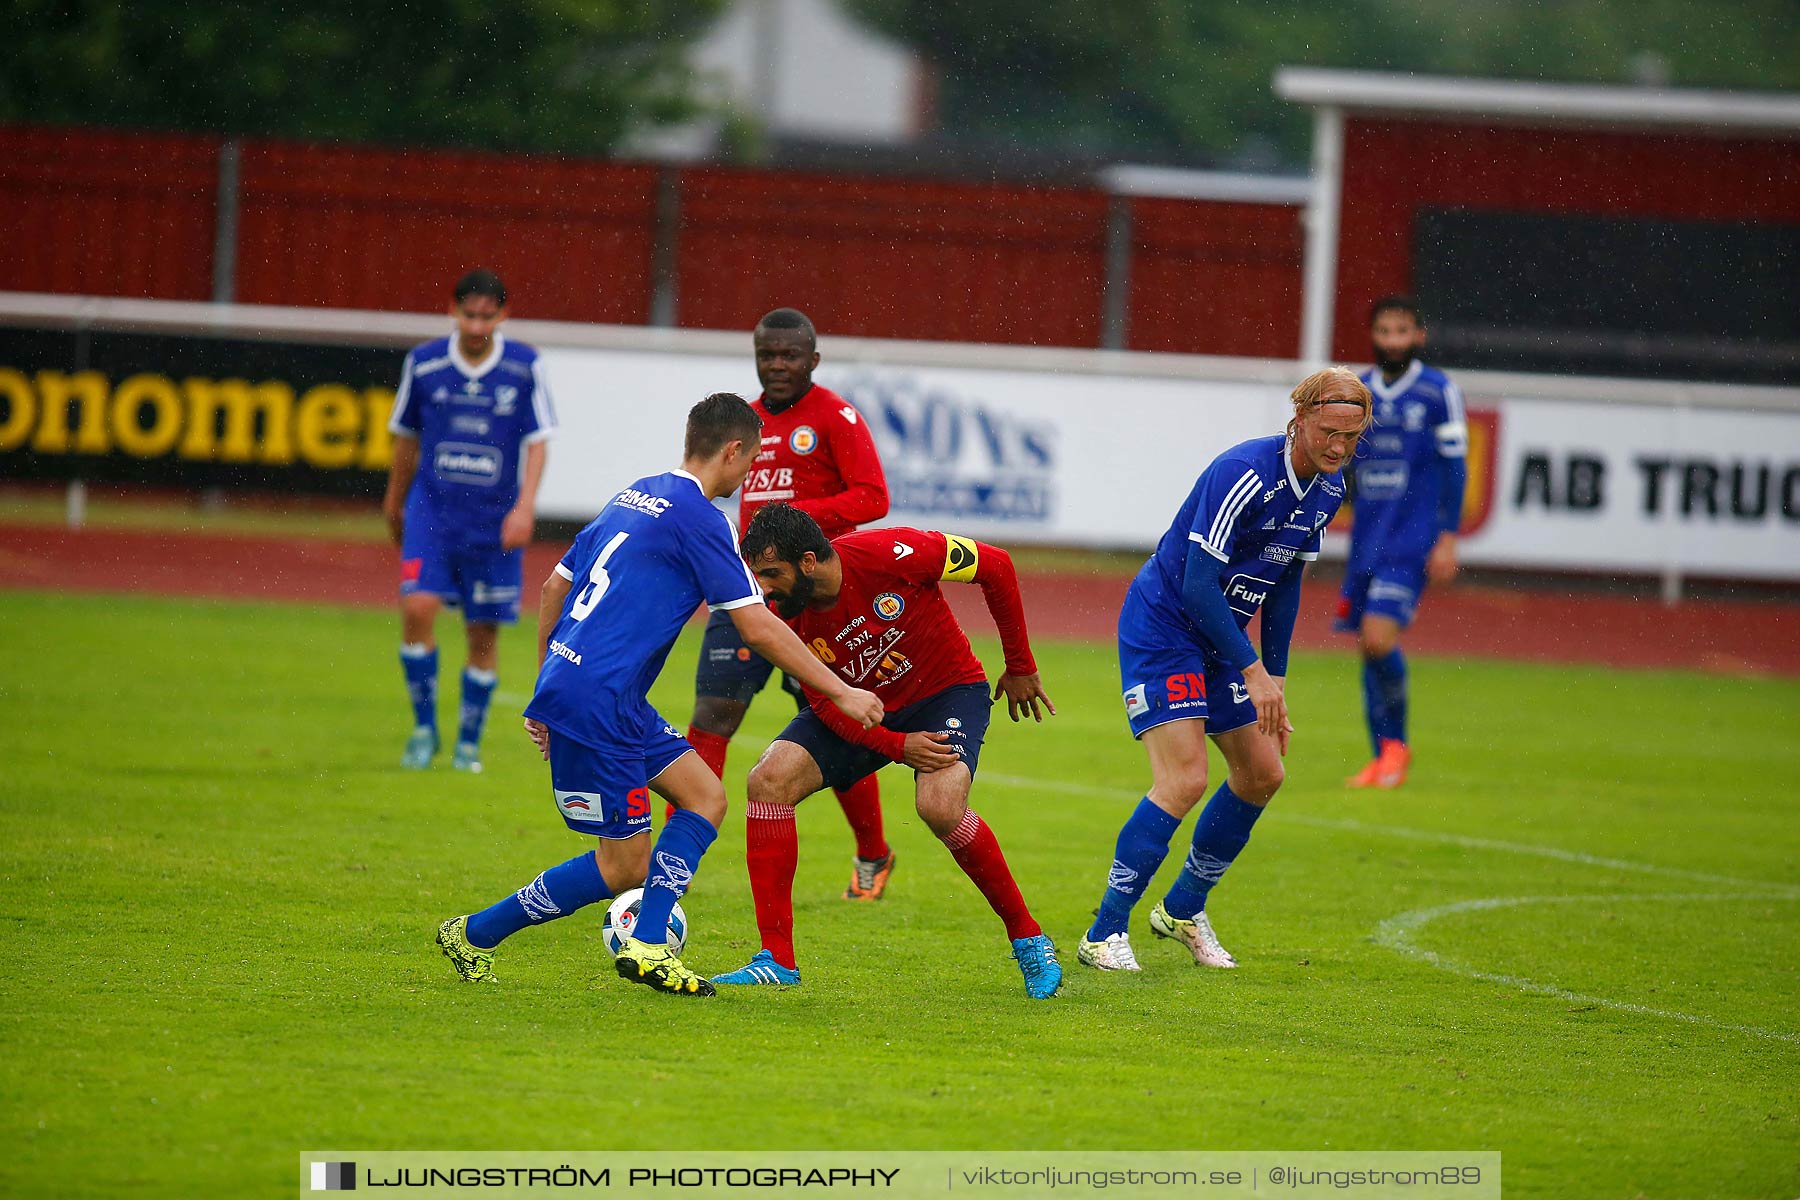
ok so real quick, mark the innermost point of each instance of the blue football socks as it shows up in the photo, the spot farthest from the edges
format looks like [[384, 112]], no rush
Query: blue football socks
[[555, 893], [420, 665], [1384, 696], [1219, 834], [1143, 844], [684, 839], [477, 690]]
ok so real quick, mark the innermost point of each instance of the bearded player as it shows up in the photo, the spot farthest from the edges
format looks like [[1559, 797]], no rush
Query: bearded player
[[818, 455], [870, 607], [1238, 544], [1407, 490]]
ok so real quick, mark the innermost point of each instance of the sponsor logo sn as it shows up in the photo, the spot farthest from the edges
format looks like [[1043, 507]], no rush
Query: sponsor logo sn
[[901, 550], [1239, 693]]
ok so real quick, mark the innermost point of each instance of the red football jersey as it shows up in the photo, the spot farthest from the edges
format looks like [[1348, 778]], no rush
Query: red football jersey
[[891, 630], [819, 456]]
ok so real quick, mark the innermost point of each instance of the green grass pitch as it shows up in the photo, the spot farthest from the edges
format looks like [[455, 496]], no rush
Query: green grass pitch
[[220, 892]]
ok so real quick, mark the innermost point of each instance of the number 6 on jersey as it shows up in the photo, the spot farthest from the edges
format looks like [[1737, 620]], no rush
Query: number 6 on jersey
[[598, 580]]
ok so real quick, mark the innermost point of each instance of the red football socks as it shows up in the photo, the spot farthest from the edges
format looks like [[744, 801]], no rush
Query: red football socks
[[861, 802], [710, 747], [772, 851], [977, 852]]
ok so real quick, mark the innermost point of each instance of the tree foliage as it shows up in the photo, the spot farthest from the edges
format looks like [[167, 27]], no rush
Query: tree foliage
[[1192, 78], [574, 75]]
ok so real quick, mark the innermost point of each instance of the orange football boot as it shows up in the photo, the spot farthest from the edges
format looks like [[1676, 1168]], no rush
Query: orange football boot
[[1390, 768]]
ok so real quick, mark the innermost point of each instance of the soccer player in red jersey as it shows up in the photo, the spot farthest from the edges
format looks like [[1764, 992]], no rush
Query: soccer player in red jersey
[[869, 606], [818, 455]]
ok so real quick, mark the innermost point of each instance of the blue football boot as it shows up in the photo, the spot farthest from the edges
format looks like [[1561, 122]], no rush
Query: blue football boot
[[761, 969], [1037, 962]]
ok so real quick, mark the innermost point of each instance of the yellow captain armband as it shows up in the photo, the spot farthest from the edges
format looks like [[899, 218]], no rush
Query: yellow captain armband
[[961, 557]]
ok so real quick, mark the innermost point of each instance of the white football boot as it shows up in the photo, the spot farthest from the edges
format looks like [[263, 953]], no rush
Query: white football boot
[[1197, 935], [1112, 954]]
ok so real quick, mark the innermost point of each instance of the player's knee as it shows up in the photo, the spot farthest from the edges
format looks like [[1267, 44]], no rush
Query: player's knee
[[624, 864], [767, 785], [1258, 783], [941, 814], [710, 803], [718, 716], [1378, 642], [1181, 789]]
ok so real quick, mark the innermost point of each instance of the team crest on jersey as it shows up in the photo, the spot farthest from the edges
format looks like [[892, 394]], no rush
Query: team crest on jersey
[[803, 440], [889, 605], [505, 397]]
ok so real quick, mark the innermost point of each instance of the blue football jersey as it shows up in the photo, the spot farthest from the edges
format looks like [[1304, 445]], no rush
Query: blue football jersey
[[1249, 511], [1418, 419], [472, 421], [639, 570]]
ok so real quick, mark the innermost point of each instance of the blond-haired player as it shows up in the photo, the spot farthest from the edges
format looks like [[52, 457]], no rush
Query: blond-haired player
[[1238, 544]]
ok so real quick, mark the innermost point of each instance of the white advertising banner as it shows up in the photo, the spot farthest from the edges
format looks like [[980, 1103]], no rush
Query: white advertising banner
[[1018, 456], [1087, 459], [1639, 488]]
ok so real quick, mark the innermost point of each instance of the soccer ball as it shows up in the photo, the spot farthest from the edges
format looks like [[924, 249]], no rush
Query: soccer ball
[[621, 919]]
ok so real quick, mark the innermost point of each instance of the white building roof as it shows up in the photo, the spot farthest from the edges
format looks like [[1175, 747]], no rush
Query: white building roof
[[1541, 103]]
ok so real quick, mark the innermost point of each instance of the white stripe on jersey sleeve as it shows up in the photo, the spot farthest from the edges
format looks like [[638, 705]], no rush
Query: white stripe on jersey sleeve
[[1235, 500], [1453, 434], [756, 593], [400, 399], [1206, 546], [564, 572], [541, 405]]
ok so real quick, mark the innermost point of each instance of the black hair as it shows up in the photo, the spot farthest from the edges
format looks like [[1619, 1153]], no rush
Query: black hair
[[786, 530], [480, 282], [1397, 303], [720, 418], [790, 319]]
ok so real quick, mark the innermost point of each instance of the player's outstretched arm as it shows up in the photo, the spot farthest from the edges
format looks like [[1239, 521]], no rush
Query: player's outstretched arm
[[402, 468], [766, 634]]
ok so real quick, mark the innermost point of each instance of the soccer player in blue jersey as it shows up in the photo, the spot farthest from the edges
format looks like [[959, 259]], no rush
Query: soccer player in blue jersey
[[470, 423], [1407, 491], [607, 617], [1238, 544]]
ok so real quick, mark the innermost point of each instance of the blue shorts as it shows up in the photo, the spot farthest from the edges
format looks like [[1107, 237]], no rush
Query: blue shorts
[[730, 670], [960, 711], [605, 792], [438, 559], [1385, 590], [1167, 675]]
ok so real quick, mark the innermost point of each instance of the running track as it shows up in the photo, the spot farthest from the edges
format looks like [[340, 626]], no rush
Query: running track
[[1737, 637]]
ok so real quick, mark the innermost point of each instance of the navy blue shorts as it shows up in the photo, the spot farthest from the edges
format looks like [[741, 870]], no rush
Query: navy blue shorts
[[480, 577], [730, 670], [1386, 590], [606, 792], [1167, 675], [961, 711]]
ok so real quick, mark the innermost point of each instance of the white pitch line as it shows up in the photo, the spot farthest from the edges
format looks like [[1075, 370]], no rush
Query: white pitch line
[[1396, 932], [1407, 833]]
